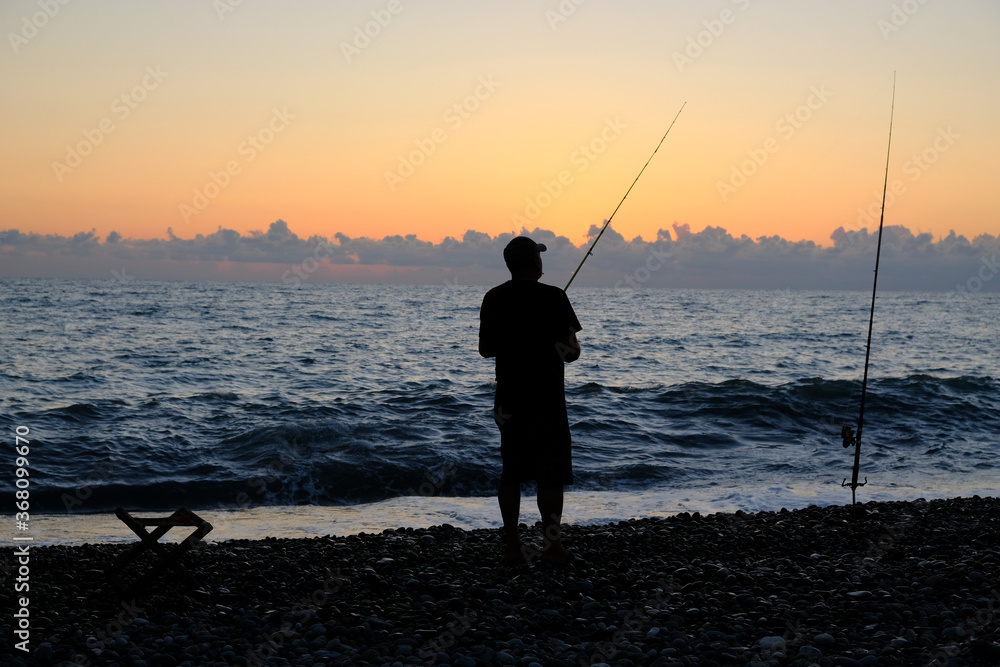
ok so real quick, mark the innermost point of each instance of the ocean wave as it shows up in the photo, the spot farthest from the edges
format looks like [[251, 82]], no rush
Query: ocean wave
[[365, 393], [418, 439]]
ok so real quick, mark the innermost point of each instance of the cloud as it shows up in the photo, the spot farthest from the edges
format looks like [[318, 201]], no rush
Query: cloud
[[678, 257]]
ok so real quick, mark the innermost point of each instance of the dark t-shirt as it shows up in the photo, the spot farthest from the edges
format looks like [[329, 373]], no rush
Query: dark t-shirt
[[522, 323]]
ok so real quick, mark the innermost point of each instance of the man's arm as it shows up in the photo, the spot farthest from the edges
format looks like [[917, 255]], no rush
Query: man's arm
[[485, 349], [569, 347], [487, 328]]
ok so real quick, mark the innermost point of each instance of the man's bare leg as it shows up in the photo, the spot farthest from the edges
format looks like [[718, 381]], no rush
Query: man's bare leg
[[509, 498], [550, 505]]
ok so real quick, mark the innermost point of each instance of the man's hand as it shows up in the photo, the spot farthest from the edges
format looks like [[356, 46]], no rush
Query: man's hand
[[485, 350], [568, 348]]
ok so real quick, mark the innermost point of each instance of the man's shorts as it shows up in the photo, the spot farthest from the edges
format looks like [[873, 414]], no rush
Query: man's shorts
[[534, 450]]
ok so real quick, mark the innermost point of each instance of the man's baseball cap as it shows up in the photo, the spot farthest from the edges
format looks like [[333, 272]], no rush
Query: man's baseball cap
[[520, 251]]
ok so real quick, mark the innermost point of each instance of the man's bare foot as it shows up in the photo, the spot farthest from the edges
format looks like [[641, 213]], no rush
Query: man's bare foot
[[555, 554], [511, 554], [513, 548]]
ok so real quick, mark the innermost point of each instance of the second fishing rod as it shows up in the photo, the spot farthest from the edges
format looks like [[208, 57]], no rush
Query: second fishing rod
[[850, 436]]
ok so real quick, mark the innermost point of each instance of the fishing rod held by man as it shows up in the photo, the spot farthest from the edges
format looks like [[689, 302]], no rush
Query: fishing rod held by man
[[608, 221]]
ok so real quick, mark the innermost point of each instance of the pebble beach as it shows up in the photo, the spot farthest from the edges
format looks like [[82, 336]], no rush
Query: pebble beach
[[893, 583]]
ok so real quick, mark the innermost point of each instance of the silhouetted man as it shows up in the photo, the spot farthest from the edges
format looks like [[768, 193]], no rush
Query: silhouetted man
[[531, 329]]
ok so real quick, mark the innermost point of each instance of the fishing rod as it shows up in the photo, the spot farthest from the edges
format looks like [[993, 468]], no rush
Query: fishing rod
[[851, 438], [608, 221]]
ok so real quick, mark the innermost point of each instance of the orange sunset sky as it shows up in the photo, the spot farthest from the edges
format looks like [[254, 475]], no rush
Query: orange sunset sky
[[434, 117]]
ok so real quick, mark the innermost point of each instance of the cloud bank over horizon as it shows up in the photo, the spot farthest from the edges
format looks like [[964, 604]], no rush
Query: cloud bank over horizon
[[679, 257]]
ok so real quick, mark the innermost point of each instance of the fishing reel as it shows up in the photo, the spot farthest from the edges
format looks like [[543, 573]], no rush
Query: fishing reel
[[847, 433]]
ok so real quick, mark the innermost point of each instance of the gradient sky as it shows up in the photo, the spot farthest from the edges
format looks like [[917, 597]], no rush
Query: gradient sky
[[334, 113]]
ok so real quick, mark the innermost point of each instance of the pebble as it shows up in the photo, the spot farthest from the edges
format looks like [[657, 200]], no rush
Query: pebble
[[688, 590], [772, 643], [505, 658], [810, 651]]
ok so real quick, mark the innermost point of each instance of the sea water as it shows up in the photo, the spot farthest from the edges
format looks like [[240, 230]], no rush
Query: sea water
[[330, 409]]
